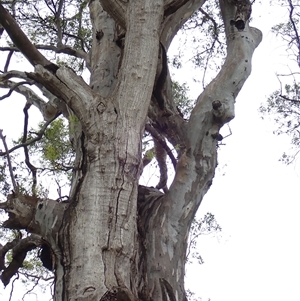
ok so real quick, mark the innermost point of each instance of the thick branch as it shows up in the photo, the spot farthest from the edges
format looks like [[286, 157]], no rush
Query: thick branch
[[116, 9], [20, 39], [171, 6], [15, 85], [242, 15], [19, 250], [67, 86], [215, 107], [180, 15], [48, 110]]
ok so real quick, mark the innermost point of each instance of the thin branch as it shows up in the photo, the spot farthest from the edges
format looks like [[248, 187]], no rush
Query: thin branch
[[35, 284], [61, 49], [294, 27], [37, 277], [8, 60], [14, 87], [292, 73], [162, 142], [289, 99], [16, 188], [39, 137], [12, 287], [27, 159]]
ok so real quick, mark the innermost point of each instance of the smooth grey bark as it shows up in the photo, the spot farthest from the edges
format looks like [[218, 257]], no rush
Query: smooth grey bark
[[116, 240]]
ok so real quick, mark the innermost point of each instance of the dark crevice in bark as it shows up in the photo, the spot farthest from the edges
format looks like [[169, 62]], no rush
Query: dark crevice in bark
[[148, 200]]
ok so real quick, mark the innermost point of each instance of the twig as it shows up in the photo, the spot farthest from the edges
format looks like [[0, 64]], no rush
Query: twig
[[16, 188]]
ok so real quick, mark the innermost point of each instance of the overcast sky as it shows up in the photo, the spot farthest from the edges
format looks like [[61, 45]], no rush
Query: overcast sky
[[254, 197]]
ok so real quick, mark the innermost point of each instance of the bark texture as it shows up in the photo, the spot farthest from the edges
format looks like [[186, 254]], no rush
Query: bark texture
[[114, 239]]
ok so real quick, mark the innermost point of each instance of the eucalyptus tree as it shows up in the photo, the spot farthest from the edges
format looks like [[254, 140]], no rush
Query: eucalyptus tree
[[111, 238], [284, 103]]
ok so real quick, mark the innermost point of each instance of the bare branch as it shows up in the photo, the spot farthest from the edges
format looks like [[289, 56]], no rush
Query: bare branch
[[48, 109], [21, 41], [39, 137], [16, 188], [13, 73], [14, 88], [295, 30], [12, 287], [8, 60], [289, 99], [162, 142], [27, 160], [60, 49]]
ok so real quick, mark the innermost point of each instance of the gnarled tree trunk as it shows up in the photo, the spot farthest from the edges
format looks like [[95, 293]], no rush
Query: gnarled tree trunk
[[116, 240]]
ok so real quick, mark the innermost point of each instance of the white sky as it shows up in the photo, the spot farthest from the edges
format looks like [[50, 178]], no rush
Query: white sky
[[256, 202]]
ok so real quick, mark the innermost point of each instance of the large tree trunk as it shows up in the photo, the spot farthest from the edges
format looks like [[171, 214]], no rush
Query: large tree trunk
[[117, 240]]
